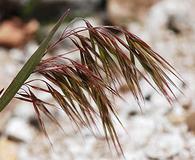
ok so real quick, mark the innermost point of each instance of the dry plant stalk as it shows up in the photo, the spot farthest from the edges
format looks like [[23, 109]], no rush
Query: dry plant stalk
[[105, 59]]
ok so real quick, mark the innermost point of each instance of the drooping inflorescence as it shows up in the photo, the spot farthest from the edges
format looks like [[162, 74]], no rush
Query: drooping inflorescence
[[105, 60]]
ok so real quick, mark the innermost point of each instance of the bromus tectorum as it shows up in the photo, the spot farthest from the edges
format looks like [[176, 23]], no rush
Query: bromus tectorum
[[105, 60]]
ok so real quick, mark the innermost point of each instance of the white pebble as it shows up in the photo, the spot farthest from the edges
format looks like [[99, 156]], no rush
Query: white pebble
[[24, 110], [165, 145], [18, 129]]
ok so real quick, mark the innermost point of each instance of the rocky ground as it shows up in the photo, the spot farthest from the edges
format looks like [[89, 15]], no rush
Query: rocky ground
[[159, 131]]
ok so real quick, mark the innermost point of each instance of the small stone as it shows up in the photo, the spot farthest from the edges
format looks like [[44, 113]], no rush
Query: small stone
[[19, 32], [10, 70], [24, 110], [190, 121], [142, 129], [8, 29], [148, 97], [160, 104], [8, 150], [176, 119], [164, 146], [127, 105], [19, 130], [121, 12], [185, 154], [33, 121], [31, 27], [132, 113], [16, 54], [134, 155], [30, 48], [187, 104], [177, 115]]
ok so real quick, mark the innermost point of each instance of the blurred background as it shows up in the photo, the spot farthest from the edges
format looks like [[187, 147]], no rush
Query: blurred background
[[159, 132]]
